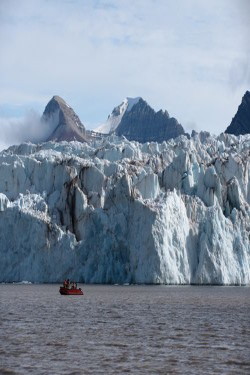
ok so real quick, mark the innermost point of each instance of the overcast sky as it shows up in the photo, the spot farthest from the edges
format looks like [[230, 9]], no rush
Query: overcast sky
[[190, 57]]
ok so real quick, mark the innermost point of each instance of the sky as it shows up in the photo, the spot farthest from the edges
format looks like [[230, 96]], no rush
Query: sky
[[189, 57]]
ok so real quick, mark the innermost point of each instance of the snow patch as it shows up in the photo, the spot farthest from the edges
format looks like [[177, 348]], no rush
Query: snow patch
[[131, 102]]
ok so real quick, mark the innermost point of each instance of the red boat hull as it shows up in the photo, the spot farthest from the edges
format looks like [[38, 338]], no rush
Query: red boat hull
[[70, 292]]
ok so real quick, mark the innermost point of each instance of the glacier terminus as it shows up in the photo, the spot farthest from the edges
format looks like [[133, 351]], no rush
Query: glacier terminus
[[118, 211]]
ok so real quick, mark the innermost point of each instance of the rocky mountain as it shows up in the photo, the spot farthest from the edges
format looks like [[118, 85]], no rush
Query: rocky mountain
[[114, 119], [137, 121], [65, 123], [241, 122], [115, 211]]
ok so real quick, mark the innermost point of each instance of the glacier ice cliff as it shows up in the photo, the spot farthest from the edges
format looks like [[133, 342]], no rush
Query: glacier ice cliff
[[115, 211]]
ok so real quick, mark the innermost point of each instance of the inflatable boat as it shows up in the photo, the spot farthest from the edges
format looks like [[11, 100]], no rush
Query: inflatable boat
[[71, 291]]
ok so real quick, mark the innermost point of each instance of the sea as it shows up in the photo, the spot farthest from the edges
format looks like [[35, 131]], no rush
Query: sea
[[129, 329]]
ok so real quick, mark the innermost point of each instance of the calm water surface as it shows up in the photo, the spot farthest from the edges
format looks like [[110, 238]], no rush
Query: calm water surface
[[125, 329]]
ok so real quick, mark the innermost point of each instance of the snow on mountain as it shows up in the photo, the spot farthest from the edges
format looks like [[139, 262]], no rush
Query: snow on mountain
[[137, 121], [115, 117], [115, 211]]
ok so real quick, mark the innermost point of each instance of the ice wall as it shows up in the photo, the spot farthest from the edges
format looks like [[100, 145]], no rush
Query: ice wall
[[116, 211]]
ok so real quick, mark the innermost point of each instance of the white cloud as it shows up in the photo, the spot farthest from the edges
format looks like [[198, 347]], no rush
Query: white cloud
[[179, 55], [24, 129]]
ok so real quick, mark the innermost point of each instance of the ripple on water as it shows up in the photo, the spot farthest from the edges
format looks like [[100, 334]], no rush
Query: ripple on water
[[124, 329]]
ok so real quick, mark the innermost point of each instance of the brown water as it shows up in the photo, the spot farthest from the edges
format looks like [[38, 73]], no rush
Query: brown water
[[125, 329]]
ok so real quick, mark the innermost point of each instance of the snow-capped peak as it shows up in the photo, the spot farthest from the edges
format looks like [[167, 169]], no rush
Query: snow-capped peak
[[131, 102], [116, 116]]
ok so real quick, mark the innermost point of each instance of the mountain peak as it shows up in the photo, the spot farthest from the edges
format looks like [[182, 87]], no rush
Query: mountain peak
[[136, 120], [65, 124], [143, 124], [58, 98], [131, 102], [116, 115], [240, 124]]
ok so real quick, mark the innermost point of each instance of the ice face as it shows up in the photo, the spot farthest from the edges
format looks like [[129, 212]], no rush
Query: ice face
[[4, 202], [116, 211]]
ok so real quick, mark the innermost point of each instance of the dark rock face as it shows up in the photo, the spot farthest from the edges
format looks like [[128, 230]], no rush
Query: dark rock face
[[241, 122], [66, 124], [143, 124]]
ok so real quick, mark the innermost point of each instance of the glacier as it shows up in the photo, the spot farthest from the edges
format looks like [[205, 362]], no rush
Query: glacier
[[114, 211]]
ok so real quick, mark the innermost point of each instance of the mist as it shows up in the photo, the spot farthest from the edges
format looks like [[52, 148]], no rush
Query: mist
[[28, 128]]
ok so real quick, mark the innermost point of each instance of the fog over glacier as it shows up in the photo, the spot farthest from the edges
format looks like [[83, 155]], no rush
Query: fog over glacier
[[30, 127], [115, 211]]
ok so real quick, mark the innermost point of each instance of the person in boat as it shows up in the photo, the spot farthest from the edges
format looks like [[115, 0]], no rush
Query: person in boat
[[65, 283], [68, 284]]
